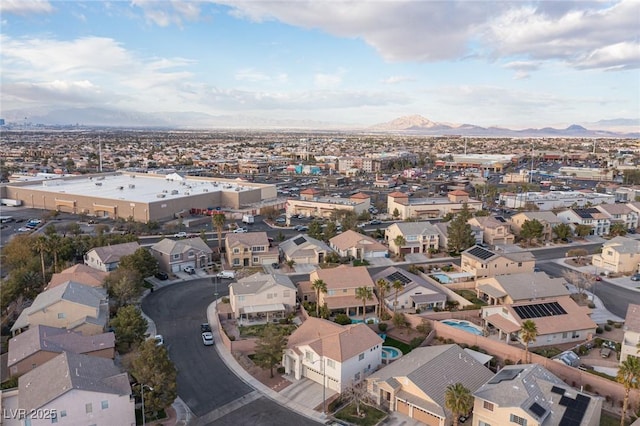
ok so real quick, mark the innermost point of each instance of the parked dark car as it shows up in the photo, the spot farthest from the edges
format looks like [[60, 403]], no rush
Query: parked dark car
[[275, 265], [635, 277], [205, 327], [161, 275]]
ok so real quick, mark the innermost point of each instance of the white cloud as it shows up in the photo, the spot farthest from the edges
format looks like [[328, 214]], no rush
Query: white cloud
[[25, 7], [624, 55], [326, 80], [395, 79], [165, 13]]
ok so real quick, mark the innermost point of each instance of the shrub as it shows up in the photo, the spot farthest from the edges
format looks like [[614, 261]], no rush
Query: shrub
[[225, 300], [591, 305], [599, 330], [386, 316], [370, 321], [383, 326], [343, 319], [508, 362], [617, 325], [416, 341], [280, 370], [607, 327], [232, 338]]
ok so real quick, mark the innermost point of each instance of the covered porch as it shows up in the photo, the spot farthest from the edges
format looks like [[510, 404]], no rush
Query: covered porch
[[255, 314], [504, 327], [350, 305]]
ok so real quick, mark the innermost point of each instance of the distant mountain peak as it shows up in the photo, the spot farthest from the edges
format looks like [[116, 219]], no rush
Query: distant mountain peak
[[408, 122], [575, 127]]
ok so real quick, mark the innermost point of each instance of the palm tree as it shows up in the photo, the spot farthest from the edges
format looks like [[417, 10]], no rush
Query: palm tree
[[528, 334], [364, 294], [319, 286], [41, 245], [54, 247], [383, 288], [628, 376], [397, 286], [399, 241], [217, 220], [458, 400]]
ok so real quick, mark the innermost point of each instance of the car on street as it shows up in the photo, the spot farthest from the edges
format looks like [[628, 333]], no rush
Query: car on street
[[281, 220], [301, 228], [189, 270], [375, 222], [635, 277], [25, 229], [207, 338], [204, 327], [275, 265], [158, 339], [226, 274], [180, 235], [240, 230], [161, 275]]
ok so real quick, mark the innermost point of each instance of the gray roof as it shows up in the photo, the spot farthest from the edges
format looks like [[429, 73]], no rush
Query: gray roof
[[69, 371], [416, 228], [52, 339], [433, 368], [69, 291], [415, 282], [309, 246], [530, 285], [112, 254], [260, 282], [623, 245], [169, 246]]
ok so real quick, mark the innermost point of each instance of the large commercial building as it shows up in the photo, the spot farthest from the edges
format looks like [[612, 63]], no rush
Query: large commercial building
[[554, 199], [143, 197], [401, 206]]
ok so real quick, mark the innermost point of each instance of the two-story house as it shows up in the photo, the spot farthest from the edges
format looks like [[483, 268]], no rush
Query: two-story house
[[592, 217], [262, 296], [619, 255], [443, 234], [496, 230], [531, 395], [249, 249], [107, 258], [416, 292], [547, 219], [302, 249], [79, 273], [620, 213], [417, 237], [415, 385], [482, 262], [42, 343], [513, 288], [342, 283], [331, 354], [357, 245], [70, 305], [631, 332], [175, 255]]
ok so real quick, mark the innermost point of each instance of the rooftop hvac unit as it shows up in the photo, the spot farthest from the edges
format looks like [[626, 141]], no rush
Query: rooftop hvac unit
[[161, 195], [121, 188], [101, 178], [98, 183], [174, 192], [205, 190], [131, 186]]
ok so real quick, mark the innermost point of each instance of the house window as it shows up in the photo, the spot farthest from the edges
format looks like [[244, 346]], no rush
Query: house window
[[487, 405], [575, 335], [88, 408], [331, 363], [308, 355], [104, 404], [517, 420], [236, 250], [236, 262], [176, 256], [256, 260], [191, 254], [61, 315], [269, 296], [286, 293], [564, 335], [361, 357], [481, 423], [357, 377], [519, 264], [240, 298]]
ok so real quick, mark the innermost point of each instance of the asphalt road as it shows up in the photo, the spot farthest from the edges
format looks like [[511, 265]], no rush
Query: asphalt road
[[205, 383]]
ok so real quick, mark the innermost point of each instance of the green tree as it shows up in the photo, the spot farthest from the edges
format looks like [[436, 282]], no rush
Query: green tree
[[269, 347], [459, 234], [330, 231], [364, 294], [217, 221], [531, 229], [383, 288], [319, 286], [629, 376], [458, 400], [583, 230], [528, 333], [42, 246], [397, 286], [152, 367], [129, 326], [399, 242], [395, 213], [124, 285], [562, 231], [399, 320], [315, 230], [617, 229], [141, 261]]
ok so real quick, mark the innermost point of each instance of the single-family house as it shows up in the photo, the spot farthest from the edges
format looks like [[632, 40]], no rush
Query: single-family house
[[80, 390], [415, 385], [547, 219], [619, 255], [106, 258], [415, 293], [631, 332], [42, 343], [513, 288], [483, 262], [558, 320], [443, 234], [342, 283], [249, 249], [416, 237], [70, 305], [303, 249], [175, 255], [79, 273], [262, 296], [620, 213], [357, 245], [592, 217], [529, 394], [496, 230], [331, 354]]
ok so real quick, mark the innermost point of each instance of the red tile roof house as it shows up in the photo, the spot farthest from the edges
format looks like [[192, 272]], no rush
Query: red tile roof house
[[337, 355]]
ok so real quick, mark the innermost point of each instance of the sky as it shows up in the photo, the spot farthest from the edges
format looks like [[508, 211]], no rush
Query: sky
[[511, 64]]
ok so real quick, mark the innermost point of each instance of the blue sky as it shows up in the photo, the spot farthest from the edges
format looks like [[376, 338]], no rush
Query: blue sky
[[512, 64]]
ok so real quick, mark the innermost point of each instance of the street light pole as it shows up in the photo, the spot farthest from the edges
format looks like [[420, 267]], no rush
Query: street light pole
[[142, 396]]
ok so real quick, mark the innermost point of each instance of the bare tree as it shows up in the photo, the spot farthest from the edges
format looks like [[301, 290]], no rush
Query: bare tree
[[583, 282], [356, 394]]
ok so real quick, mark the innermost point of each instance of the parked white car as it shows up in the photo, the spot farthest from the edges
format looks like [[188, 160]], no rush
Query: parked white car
[[240, 230], [226, 274], [180, 235], [207, 338]]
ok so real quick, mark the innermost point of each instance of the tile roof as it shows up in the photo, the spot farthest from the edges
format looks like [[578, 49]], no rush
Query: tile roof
[[349, 239], [458, 192], [79, 273], [526, 286], [69, 371], [343, 277], [307, 246], [416, 228], [169, 246], [623, 245], [360, 196], [576, 317], [248, 238], [260, 282], [632, 319], [112, 254], [398, 194]]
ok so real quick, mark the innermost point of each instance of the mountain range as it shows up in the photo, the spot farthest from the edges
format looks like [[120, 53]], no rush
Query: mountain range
[[408, 125]]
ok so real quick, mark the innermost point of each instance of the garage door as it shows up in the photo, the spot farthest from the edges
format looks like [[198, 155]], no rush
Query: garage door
[[402, 407], [425, 417]]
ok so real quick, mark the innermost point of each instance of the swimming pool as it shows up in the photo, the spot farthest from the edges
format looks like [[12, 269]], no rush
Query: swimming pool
[[464, 325], [389, 353], [442, 278], [373, 320]]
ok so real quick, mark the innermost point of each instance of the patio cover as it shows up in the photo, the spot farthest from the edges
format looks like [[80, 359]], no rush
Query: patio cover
[[419, 299], [502, 323], [255, 309], [492, 291]]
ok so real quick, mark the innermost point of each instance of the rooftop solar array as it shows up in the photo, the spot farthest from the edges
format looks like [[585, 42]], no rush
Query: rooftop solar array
[[586, 213], [574, 411], [299, 240], [539, 310], [556, 389], [538, 410], [505, 374], [480, 253], [398, 276]]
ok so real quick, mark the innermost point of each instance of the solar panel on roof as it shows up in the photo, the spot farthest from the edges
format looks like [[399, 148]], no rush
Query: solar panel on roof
[[556, 389], [538, 410], [501, 219], [299, 240], [398, 276], [480, 253], [539, 310], [565, 401], [505, 374]]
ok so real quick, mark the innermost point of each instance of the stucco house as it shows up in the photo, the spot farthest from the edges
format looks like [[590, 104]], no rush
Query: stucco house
[[558, 320], [357, 245], [432, 207], [332, 354], [262, 296], [342, 283], [620, 213], [619, 254], [547, 219], [508, 289], [631, 332], [483, 262], [443, 234], [107, 258], [80, 389], [70, 305], [598, 221], [416, 292], [419, 237], [249, 249], [415, 384], [175, 255], [79, 273], [496, 230], [303, 249], [531, 395], [42, 343]]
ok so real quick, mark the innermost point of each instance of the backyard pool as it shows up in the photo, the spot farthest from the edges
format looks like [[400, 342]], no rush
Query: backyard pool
[[464, 325], [389, 353], [372, 320], [442, 278]]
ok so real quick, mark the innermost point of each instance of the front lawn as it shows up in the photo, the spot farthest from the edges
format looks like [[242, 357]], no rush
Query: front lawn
[[371, 415], [405, 348]]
